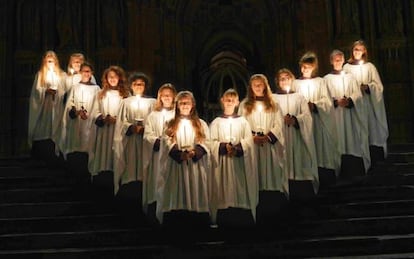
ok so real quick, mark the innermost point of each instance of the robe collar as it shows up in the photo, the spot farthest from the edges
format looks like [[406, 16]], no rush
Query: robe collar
[[281, 91], [229, 116], [356, 62], [336, 72]]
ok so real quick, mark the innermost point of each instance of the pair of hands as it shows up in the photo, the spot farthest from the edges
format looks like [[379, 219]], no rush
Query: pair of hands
[[343, 102], [187, 155], [260, 139], [108, 119]]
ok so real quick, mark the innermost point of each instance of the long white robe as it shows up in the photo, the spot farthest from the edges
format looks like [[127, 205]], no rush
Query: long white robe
[[351, 124], [128, 150], [154, 129], [270, 158], [184, 186], [324, 130], [100, 148], [72, 80], [234, 181], [75, 132], [45, 111], [301, 163], [377, 118]]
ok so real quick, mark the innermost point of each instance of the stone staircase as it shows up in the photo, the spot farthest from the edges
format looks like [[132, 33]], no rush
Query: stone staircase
[[44, 213]]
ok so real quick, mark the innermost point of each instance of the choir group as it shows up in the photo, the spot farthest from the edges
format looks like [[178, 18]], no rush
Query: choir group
[[310, 133]]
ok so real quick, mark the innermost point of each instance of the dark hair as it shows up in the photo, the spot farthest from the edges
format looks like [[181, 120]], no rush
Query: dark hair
[[139, 75]]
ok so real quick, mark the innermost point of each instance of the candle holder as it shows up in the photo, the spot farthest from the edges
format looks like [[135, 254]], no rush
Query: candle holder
[[139, 121]]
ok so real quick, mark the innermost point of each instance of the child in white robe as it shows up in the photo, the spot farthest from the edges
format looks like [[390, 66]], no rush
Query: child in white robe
[[314, 89], [372, 90], [234, 185], [153, 133], [266, 122], [104, 113], [350, 119], [185, 153], [128, 137], [301, 164], [77, 122], [46, 109]]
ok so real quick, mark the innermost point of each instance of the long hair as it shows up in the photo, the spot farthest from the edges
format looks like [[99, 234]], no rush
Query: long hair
[[364, 56], [251, 98], [310, 58], [158, 104], [50, 54], [138, 75], [172, 126], [283, 71], [72, 57], [121, 87]]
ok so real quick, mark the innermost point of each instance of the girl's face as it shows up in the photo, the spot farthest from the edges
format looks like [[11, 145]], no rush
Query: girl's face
[[307, 70], [167, 97], [138, 87], [76, 64], [258, 87], [112, 78], [229, 103], [285, 81], [358, 51], [185, 104], [337, 61], [50, 63], [86, 74]]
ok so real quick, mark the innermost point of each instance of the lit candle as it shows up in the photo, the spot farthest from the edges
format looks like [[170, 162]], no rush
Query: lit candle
[[107, 104], [231, 125], [139, 106], [360, 71], [163, 112], [309, 96], [184, 142], [259, 110], [287, 98], [343, 82]]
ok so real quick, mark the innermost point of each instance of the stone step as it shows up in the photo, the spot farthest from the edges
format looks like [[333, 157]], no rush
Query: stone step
[[67, 223], [41, 194], [367, 209], [351, 193], [385, 225], [62, 208], [364, 246]]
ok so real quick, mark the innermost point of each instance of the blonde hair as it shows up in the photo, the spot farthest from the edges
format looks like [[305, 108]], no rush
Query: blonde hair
[[74, 56], [364, 55], [44, 68], [158, 104], [310, 58], [268, 99], [172, 126]]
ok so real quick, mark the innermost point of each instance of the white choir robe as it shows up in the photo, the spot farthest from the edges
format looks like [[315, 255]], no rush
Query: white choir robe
[[45, 111], [101, 139], [234, 181], [75, 132], [270, 158], [72, 80], [301, 163], [184, 186], [324, 129], [374, 102], [154, 129], [128, 150], [351, 124]]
